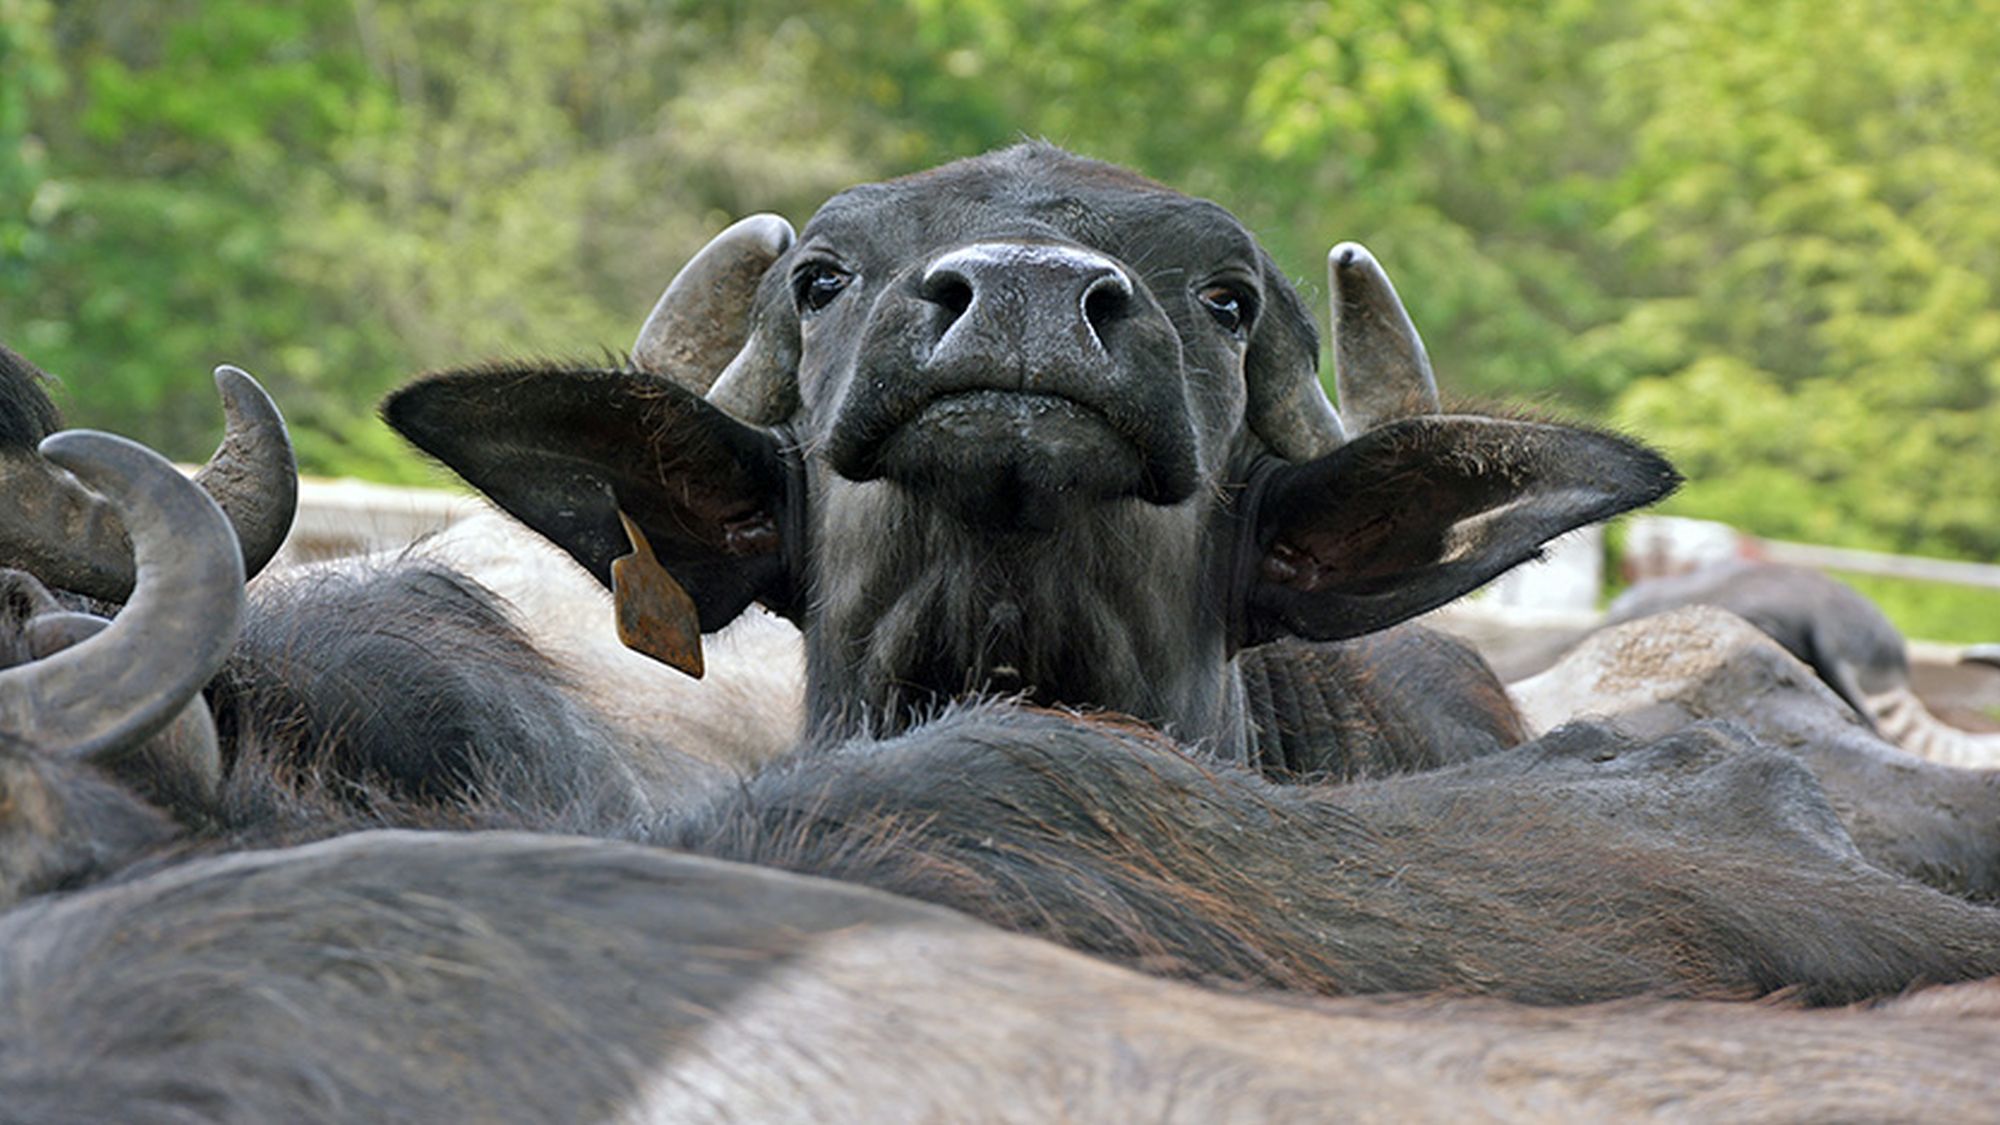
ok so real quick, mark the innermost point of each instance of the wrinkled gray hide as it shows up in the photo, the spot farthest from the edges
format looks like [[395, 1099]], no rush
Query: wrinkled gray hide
[[412, 977], [1937, 823]]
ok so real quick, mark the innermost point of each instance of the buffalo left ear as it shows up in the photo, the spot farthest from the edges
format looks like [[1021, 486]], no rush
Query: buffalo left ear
[[567, 450], [1407, 517]]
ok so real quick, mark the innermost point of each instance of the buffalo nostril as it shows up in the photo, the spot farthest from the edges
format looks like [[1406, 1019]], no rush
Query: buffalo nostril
[[949, 290], [1107, 299]]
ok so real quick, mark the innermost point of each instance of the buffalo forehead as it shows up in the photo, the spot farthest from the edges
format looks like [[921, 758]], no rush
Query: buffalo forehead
[[1156, 230]]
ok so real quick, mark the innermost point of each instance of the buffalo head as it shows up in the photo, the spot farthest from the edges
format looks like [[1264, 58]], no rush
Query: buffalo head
[[88, 703], [1027, 423]]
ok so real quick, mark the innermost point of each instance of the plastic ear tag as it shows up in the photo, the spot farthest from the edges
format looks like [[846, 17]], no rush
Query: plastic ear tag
[[655, 616]]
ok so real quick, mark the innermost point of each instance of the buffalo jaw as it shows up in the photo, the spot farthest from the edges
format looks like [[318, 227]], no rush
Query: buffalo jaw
[[1010, 461]]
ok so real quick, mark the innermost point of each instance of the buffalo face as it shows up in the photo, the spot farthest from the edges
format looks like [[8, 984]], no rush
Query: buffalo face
[[1020, 337]]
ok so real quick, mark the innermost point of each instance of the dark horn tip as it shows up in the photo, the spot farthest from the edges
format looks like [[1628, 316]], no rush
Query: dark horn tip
[[1349, 255], [245, 398], [254, 473]]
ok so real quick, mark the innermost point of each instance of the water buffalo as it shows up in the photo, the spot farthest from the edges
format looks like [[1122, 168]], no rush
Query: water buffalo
[[1840, 634], [517, 977], [400, 675], [1582, 866], [72, 540], [86, 703], [744, 711], [1031, 425], [1654, 675]]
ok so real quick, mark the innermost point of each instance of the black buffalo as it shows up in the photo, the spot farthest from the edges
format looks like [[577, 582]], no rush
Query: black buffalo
[[321, 698], [1582, 866], [73, 540], [1033, 425]]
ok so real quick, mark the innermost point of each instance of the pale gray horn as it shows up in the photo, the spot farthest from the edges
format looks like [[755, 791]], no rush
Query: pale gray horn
[[1290, 412], [129, 681], [1380, 368], [701, 321], [253, 473]]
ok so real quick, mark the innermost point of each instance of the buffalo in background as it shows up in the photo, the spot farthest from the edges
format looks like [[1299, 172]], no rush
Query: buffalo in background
[[1840, 634]]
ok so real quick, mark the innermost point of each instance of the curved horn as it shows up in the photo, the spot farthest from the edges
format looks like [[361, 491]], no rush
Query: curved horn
[[701, 320], [1293, 416], [1284, 405], [760, 385], [70, 538], [253, 474], [1381, 370], [130, 680]]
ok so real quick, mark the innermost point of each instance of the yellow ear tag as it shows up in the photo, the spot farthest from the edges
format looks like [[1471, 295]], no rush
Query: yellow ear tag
[[655, 616]]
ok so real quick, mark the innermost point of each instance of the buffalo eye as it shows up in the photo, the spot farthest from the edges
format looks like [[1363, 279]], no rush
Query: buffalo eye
[[1230, 305], [816, 284]]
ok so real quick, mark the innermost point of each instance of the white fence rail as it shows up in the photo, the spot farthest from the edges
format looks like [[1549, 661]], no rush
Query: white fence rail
[[345, 517], [1887, 566]]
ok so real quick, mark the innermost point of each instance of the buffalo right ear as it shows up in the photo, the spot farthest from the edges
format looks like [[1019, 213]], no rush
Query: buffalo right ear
[[566, 449], [1415, 513]]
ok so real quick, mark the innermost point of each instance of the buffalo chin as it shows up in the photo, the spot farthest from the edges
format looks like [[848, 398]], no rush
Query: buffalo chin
[[1013, 461]]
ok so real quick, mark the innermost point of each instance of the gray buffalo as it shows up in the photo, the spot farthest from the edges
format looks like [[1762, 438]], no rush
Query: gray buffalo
[[528, 978]]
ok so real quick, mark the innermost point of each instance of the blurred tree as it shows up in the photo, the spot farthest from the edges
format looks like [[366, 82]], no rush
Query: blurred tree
[[1824, 235], [28, 74], [160, 220], [334, 194]]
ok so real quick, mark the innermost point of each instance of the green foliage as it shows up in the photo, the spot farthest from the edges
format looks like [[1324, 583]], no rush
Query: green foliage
[[1758, 233], [335, 195], [1817, 335], [28, 73], [1932, 610]]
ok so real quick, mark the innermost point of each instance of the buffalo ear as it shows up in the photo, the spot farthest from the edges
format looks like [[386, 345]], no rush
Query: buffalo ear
[[565, 450], [1409, 516]]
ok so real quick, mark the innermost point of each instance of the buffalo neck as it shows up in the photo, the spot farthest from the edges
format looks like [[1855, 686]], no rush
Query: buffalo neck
[[1114, 611]]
